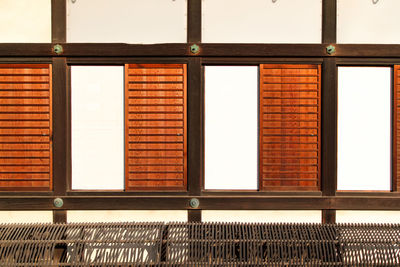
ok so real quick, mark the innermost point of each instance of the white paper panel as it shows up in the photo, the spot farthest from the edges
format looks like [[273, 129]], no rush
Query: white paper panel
[[126, 21], [25, 21], [262, 216], [361, 21], [97, 100], [358, 216], [262, 21], [127, 216], [364, 109], [26, 216], [231, 123]]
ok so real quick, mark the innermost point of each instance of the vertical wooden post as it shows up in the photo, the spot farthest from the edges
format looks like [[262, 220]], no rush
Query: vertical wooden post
[[194, 21], [329, 131], [329, 109], [195, 108], [59, 33], [194, 215], [329, 21], [58, 21]]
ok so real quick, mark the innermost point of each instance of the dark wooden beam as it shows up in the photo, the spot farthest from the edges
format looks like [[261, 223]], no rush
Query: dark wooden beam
[[206, 203], [206, 50], [58, 21], [328, 21], [60, 133], [194, 21]]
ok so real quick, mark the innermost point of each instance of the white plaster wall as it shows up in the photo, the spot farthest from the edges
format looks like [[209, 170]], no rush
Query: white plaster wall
[[364, 123], [26, 217], [358, 216], [97, 143], [25, 21], [127, 216], [361, 21], [262, 216], [262, 21], [231, 127], [126, 21]]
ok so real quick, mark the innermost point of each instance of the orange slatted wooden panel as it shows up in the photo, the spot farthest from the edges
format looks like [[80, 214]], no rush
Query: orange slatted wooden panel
[[290, 128], [396, 130], [155, 127], [25, 127]]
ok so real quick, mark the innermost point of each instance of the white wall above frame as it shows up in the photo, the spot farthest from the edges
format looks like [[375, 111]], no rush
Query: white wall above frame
[[262, 21], [368, 21], [126, 21]]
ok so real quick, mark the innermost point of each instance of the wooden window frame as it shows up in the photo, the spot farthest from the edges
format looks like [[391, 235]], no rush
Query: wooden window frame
[[328, 200]]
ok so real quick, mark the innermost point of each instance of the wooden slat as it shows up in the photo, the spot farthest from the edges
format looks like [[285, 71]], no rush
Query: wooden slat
[[155, 127], [25, 127], [290, 112]]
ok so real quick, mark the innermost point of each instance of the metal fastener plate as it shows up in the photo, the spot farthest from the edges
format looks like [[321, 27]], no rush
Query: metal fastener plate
[[194, 49], [58, 202], [194, 203], [330, 49], [58, 49]]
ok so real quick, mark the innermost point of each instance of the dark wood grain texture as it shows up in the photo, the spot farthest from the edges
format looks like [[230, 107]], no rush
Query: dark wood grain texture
[[206, 203], [26, 127], [206, 50], [61, 149], [59, 216], [195, 126], [194, 21], [194, 215], [155, 127], [290, 111], [328, 216], [329, 21], [329, 127], [58, 21]]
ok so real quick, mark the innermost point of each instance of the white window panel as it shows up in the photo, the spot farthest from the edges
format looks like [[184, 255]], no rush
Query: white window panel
[[231, 127], [126, 216], [97, 107], [126, 21], [26, 216], [262, 21], [364, 108], [262, 216], [362, 21], [361, 216], [25, 21]]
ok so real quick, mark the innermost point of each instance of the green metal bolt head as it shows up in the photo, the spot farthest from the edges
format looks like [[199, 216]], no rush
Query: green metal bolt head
[[194, 49], [58, 202], [330, 49], [58, 49], [194, 203]]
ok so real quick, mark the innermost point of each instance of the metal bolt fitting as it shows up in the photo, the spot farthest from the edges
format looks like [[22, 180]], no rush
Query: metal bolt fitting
[[58, 202], [194, 203], [194, 49], [330, 49], [58, 49]]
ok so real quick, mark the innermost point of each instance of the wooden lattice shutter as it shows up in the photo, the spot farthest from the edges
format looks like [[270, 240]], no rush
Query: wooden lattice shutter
[[155, 127], [290, 108], [396, 129], [25, 127]]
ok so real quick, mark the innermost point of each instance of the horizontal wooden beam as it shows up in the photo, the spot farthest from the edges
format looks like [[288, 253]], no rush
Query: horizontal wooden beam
[[206, 203], [206, 50]]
